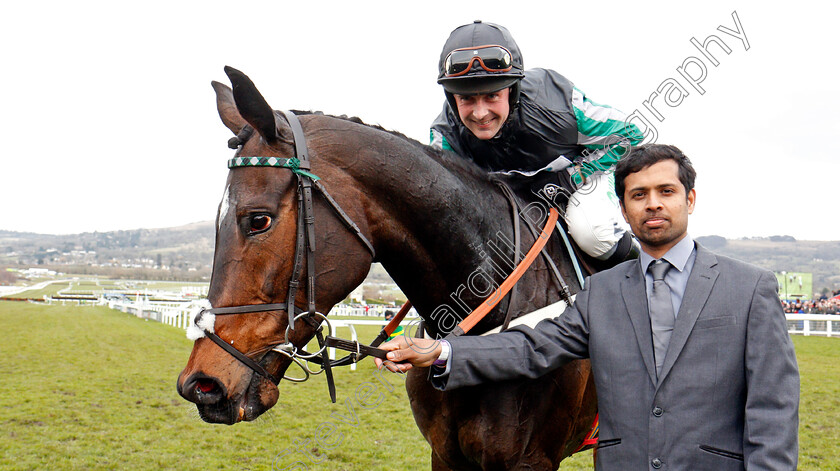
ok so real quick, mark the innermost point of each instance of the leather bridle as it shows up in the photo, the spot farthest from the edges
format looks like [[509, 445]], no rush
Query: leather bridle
[[304, 249]]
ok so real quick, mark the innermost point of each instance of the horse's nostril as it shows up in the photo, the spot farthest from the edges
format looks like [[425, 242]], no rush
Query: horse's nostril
[[201, 389], [204, 385]]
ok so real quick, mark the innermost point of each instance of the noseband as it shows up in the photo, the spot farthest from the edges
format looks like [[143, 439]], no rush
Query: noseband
[[304, 247]]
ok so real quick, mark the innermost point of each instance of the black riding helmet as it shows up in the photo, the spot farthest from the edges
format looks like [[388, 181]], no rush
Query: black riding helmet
[[499, 71]]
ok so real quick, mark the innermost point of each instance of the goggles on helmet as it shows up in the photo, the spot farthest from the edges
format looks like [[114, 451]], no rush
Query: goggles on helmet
[[491, 58]]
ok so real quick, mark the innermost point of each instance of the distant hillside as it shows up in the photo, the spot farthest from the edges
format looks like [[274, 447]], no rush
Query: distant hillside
[[186, 252], [182, 252], [784, 253]]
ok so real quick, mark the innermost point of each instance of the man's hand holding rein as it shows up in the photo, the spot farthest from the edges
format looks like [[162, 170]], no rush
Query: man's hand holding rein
[[406, 352]]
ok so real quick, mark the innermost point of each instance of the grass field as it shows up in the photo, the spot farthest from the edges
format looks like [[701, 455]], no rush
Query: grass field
[[91, 388]]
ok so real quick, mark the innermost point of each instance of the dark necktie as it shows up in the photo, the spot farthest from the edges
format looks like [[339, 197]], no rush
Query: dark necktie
[[661, 312]]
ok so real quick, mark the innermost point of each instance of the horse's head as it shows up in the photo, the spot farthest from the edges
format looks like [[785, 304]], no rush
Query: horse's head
[[259, 230]]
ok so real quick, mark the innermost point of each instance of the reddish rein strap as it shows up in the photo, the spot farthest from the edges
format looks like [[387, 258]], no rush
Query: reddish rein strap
[[511, 280], [494, 298]]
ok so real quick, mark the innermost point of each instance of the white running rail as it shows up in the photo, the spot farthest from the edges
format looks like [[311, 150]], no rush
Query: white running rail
[[827, 325]]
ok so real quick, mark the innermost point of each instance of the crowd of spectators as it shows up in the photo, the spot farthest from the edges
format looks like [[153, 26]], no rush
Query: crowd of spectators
[[820, 306]]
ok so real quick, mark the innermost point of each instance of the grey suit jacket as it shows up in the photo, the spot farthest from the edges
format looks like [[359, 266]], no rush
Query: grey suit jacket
[[728, 396]]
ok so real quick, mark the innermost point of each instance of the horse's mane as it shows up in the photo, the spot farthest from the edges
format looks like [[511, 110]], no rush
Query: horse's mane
[[448, 159]]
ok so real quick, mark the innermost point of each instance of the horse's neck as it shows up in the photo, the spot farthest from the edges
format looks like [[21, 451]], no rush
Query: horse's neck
[[442, 230], [448, 241]]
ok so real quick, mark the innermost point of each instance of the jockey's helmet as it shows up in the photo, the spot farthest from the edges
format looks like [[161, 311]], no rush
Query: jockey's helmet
[[480, 58]]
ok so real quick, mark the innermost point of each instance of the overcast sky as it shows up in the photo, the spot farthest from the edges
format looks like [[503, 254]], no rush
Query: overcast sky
[[108, 118]]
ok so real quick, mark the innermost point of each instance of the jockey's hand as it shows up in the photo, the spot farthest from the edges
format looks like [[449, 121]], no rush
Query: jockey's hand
[[405, 352]]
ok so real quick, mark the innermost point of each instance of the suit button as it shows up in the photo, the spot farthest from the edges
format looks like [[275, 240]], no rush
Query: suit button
[[656, 463], [657, 411]]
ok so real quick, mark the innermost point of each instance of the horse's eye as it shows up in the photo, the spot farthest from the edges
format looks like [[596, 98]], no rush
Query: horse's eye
[[259, 223]]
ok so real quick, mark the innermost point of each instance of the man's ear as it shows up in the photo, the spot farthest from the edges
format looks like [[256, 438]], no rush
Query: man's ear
[[691, 198], [623, 213]]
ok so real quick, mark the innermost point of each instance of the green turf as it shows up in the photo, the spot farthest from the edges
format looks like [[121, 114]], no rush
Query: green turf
[[91, 388], [819, 404]]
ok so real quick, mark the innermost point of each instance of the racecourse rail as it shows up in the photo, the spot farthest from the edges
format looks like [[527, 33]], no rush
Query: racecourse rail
[[179, 315], [178, 312]]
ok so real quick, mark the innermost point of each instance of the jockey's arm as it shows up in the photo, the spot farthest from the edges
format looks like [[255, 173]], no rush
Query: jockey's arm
[[438, 140], [605, 134]]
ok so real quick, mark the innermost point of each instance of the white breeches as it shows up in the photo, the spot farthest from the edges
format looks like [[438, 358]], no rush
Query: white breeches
[[594, 218]]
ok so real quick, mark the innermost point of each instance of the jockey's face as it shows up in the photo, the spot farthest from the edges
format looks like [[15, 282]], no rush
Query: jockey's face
[[484, 114]]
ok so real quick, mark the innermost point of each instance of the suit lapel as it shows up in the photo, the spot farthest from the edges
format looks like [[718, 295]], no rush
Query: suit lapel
[[635, 300], [697, 291]]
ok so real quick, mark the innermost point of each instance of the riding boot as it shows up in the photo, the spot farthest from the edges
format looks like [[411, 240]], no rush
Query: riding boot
[[627, 248]]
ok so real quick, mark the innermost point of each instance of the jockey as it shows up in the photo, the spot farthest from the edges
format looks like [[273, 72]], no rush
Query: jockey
[[512, 121]]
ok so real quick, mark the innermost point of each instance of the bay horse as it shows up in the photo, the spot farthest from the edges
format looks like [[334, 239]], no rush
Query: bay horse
[[440, 227]]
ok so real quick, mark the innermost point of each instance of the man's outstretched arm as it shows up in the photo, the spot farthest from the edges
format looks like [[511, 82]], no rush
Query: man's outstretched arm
[[521, 352]]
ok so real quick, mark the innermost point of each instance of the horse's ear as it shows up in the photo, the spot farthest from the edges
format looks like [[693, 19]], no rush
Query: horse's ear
[[251, 105], [227, 108]]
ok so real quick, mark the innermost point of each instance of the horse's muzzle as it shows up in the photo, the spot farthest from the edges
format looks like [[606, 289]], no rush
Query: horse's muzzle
[[214, 404]]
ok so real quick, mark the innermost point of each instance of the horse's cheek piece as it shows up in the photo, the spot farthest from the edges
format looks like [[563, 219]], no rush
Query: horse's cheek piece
[[200, 320]]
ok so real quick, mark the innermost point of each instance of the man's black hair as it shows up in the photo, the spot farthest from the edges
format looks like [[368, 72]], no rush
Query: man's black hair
[[646, 155]]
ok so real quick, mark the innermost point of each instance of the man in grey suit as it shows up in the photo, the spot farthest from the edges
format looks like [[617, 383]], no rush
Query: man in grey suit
[[707, 381]]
